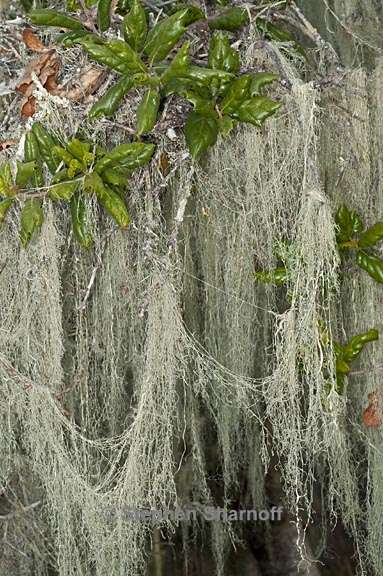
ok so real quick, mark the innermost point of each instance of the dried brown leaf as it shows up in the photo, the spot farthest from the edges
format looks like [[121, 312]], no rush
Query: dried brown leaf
[[373, 414], [32, 41], [88, 83], [46, 67], [7, 144], [28, 107]]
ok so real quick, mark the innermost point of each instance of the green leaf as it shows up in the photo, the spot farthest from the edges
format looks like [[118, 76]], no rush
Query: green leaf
[[147, 111], [81, 151], [130, 156], [116, 177], [46, 143], [221, 55], [277, 34], [31, 148], [179, 65], [115, 54], [135, 26], [4, 207], [255, 110], [231, 19], [357, 343], [237, 93], [103, 14], [109, 102], [278, 277], [109, 200], [32, 217], [226, 124], [186, 88], [165, 35], [63, 154], [24, 172], [217, 81], [47, 17], [6, 181], [371, 236], [348, 223], [64, 190], [342, 367], [260, 80], [79, 220], [127, 56], [32, 153], [372, 264], [201, 132], [70, 38]]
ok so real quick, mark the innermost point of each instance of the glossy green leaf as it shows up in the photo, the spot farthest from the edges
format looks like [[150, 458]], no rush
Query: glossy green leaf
[[47, 17], [31, 148], [237, 93], [221, 55], [278, 277], [31, 220], [110, 101], [46, 143], [165, 35], [70, 38], [371, 236], [4, 207], [79, 220], [147, 111], [103, 14], [342, 367], [186, 88], [217, 81], [130, 156], [135, 26], [179, 65], [348, 223], [109, 200], [357, 343], [231, 19], [127, 56], [255, 110], [32, 153], [25, 171], [201, 132], [115, 54], [372, 264], [260, 80]]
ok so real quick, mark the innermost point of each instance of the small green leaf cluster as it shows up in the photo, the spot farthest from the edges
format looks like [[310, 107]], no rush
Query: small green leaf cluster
[[346, 355], [76, 169], [353, 238], [359, 243], [220, 96]]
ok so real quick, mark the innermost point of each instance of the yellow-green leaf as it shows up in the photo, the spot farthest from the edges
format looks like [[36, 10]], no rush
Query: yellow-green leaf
[[32, 217]]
